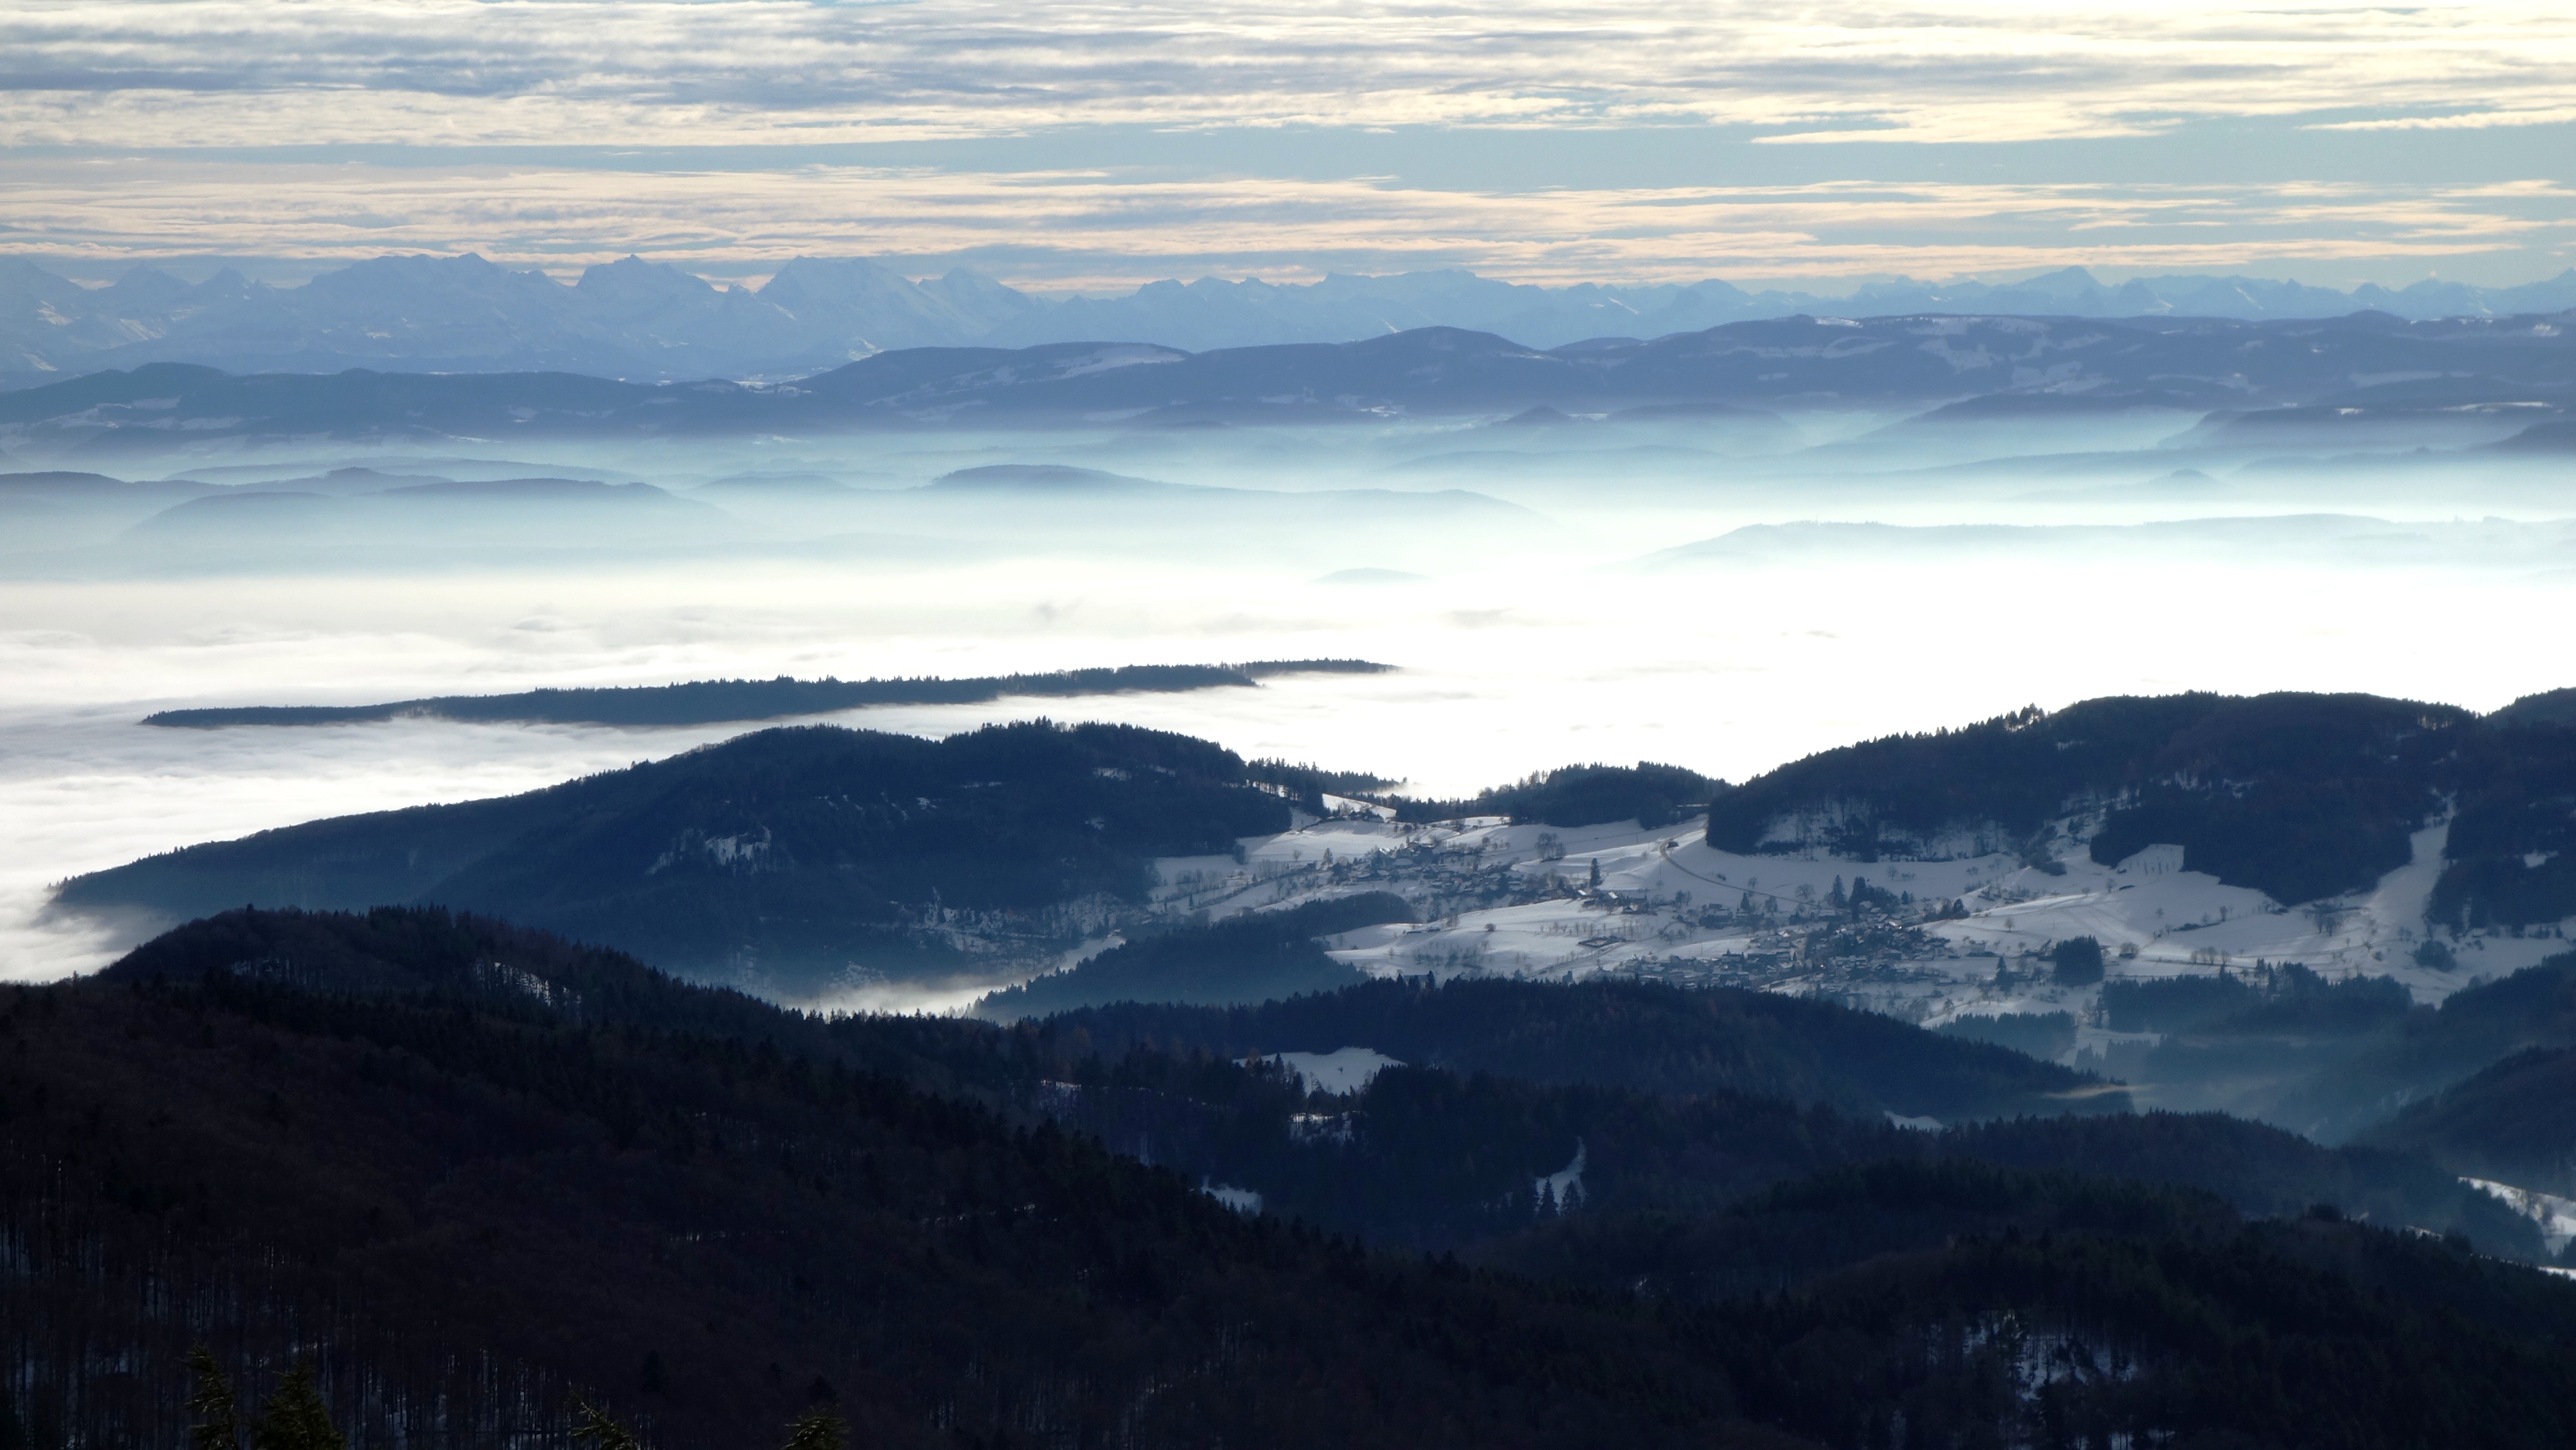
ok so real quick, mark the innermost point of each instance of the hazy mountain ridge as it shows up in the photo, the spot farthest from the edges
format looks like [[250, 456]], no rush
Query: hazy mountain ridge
[[2352, 379], [653, 321]]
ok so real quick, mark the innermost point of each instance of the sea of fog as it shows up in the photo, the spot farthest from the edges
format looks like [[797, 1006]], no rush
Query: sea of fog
[[1598, 625]]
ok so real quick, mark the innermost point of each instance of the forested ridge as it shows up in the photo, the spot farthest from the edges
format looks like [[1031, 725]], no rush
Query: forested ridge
[[2299, 796], [1253, 956], [702, 702], [783, 857], [782, 854], [473, 1171], [1652, 795], [1642, 1036], [2295, 795]]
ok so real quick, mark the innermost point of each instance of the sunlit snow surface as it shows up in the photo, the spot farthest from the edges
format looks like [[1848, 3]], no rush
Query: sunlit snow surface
[[2555, 1215], [1574, 614]]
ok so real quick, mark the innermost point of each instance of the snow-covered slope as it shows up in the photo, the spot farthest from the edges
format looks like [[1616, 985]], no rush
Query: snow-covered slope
[[1535, 901]]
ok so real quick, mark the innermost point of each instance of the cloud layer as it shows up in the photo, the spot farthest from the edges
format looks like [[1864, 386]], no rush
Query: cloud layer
[[653, 72], [1101, 228]]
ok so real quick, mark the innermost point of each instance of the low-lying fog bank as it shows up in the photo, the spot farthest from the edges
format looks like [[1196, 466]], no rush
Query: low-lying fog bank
[[1555, 591]]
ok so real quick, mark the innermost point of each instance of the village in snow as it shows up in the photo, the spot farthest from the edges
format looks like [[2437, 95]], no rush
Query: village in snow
[[1928, 941]]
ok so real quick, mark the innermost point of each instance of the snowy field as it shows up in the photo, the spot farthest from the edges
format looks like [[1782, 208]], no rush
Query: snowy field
[[2154, 919], [1622, 902]]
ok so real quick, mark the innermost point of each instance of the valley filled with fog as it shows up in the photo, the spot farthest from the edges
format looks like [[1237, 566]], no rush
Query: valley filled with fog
[[969, 727], [1723, 592]]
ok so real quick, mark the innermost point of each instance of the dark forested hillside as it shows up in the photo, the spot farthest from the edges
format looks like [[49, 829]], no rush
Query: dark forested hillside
[[1643, 1036], [2296, 795], [1990, 1308], [784, 856], [471, 1171], [1581, 795], [1252, 957], [2332, 1058], [2509, 1122], [470, 1216], [2512, 844]]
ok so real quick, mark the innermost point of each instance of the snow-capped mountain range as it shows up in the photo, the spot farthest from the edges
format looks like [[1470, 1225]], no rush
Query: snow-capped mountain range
[[653, 322]]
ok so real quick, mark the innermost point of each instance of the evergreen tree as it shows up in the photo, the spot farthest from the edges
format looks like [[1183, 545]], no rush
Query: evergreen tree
[[598, 1432], [210, 1402], [295, 1418], [2079, 961], [817, 1429]]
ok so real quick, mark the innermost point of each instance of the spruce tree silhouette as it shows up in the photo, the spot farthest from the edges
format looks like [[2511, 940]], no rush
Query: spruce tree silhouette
[[295, 1418], [817, 1429], [210, 1403], [596, 1431]]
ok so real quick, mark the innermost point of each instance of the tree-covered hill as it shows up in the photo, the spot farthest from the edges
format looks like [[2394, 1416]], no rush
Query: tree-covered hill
[[2512, 845], [2508, 1122], [1580, 795], [469, 1215], [471, 1170], [1635, 1035], [1997, 1308], [2299, 796], [789, 853], [1256, 956]]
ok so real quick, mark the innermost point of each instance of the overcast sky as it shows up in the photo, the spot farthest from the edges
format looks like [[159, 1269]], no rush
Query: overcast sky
[[1095, 145]]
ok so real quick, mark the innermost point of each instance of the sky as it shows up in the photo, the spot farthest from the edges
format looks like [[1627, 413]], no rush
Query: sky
[[1083, 146]]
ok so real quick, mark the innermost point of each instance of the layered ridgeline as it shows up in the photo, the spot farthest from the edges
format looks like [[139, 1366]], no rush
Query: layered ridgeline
[[789, 856], [637, 318], [702, 702], [472, 1172], [2261, 385]]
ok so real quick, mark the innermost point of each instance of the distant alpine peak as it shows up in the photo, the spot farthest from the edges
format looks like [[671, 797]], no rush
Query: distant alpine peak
[[639, 318]]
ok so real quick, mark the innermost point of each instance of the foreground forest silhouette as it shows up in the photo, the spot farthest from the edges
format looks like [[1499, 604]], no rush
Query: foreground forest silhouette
[[295, 1417], [476, 1178]]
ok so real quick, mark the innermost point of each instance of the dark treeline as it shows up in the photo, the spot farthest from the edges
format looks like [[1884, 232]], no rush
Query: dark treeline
[[2044, 1035], [474, 1173], [1652, 795], [2264, 998], [707, 702], [1309, 783]]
